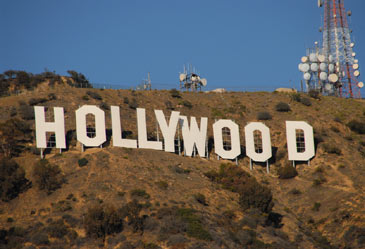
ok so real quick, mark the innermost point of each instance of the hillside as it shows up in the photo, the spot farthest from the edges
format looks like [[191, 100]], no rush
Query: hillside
[[122, 198]]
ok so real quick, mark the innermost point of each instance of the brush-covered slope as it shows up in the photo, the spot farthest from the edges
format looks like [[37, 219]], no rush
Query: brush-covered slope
[[134, 198]]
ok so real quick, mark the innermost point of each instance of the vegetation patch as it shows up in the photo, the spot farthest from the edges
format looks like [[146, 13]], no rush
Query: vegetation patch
[[252, 194], [82, 162], [47, 176], [264, 116], [287, 172], [282, 107], [12, 180], [357, 126], [140, 193]]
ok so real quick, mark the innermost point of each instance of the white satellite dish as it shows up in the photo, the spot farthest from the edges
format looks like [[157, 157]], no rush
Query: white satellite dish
[[330, 58], [353, 54], [204, 82], [182, 76], [300, 67], [355, 66], [305, 67], [307, 76], [321, 58], [333, 78], [352, 44], [323, 76], [304, 59], [194, 78], [313, 57], [314, 67], [323, 66], [328, 87], [331, 68], [357, 73], [360, 85], [356, 61]]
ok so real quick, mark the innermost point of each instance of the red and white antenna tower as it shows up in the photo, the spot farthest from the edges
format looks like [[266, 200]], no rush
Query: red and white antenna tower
[[337, 44]]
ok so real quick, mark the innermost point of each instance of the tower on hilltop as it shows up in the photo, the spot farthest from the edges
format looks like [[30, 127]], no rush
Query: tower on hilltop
[[332, 68]]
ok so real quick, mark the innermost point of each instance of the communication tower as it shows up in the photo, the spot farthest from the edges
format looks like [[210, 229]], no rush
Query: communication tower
[[190, 80], [332, 67], [146, 84]]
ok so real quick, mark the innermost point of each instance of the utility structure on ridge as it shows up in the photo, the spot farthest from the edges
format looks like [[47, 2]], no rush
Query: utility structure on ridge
[[332, 68], [190, 79]]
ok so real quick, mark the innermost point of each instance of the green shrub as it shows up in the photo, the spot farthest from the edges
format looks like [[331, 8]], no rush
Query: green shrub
[[36, 101], [201, 199], [101, 220], [332, 149], [94, 95], [282, 107], [162, 185], [85, 97], [52, 96], [264, 116], [295, 191], [194, 228], [295, 97], [252, 194], [175, 93], [132, 211], [79, 79], [12, 180], [140, 193], [305, 101], [287, 172], [47, 176], [26, 112], [316, 206], [169, 105], [57, 229], [82, 162], [314, 94], [187, 104], [133, 104], [357, 126]]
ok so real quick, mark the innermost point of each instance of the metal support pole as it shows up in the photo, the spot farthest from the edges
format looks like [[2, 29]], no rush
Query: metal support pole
[[42, 153], [158, 134], [267, 167], [251, 166], [293, 163], [236, 161], [309, 163]]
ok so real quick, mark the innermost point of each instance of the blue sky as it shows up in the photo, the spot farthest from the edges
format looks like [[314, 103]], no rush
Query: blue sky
[[237, 44]]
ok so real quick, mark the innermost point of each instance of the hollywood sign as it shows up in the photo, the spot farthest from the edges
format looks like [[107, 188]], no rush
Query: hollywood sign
[[193, 135]]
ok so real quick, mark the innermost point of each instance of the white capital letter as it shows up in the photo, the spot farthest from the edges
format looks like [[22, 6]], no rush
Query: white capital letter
[[168, 131], [218, 139], [58, 127], [293, 154], [81, 130], [194, 135], [118, 141], [143, 143], [250, 142]]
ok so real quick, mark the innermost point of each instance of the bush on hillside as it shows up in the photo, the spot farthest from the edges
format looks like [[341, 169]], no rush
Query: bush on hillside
[[133, 104], [94, 95], [12, 180], [47, 176], [332, 149], [82, 162], [101, 220], [14, 133], [252, 194], [287, 172], [175, 93], [357, 126], [264, 116], [79, 79], [305, 101], [314, 94], [282, 107]]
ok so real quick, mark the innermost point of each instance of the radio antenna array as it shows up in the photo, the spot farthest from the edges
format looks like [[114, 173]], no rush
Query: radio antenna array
[[332, 68], [190, 79]]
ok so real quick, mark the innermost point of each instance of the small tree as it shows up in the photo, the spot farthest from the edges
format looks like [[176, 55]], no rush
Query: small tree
[[48, 176], [287, 172], [12, 180], [264, 116], [282, 107]]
